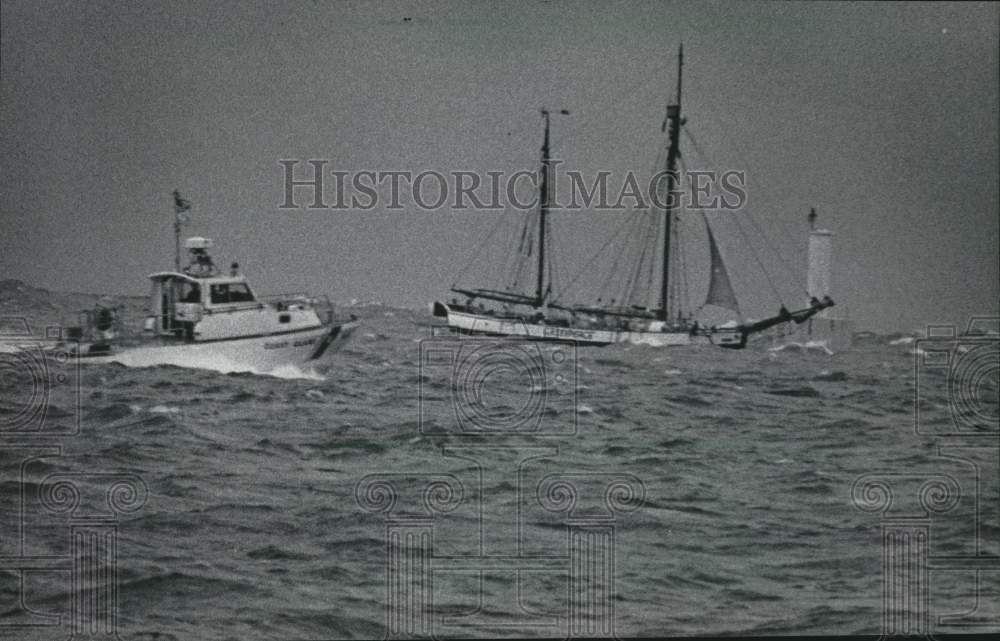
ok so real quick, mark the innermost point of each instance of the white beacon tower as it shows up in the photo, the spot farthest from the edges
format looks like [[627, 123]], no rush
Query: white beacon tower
[[835, 331], [820, 259]]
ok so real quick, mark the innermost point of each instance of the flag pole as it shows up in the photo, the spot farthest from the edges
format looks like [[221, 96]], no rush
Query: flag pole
[[177, 241], [180, 206]]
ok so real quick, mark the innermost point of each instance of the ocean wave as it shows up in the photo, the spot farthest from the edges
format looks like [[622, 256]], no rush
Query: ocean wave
[[252, 528]]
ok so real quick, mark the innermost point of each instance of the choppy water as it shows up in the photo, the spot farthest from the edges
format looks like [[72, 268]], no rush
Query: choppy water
[[731, 472]]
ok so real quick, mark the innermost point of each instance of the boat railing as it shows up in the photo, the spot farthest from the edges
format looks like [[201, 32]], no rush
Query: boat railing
[[231, 308], [291, 298], [313, 301]]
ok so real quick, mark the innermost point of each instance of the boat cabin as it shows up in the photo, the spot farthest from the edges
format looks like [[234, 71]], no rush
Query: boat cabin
[[219, 307], [179, 298]]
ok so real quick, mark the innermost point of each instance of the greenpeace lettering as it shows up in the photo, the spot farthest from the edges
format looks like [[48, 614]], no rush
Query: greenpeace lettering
[[567, 332]]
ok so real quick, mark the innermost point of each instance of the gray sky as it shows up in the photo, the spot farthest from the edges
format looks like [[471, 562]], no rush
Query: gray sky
[[882, 116]]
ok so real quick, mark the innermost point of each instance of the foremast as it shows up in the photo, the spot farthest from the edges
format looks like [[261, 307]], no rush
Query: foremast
[[543, 210], [542, 288]]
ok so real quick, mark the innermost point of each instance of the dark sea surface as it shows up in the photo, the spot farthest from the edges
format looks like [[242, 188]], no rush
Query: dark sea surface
[[717, 486]]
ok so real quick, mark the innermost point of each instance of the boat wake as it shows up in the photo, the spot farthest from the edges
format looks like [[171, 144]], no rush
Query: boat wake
[[808, 345], [294, 372], [218, 363]]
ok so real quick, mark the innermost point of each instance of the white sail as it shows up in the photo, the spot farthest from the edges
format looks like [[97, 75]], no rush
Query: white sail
[[720, 290]]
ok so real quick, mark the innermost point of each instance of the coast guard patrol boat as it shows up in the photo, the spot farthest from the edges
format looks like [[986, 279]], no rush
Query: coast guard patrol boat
[[198, 317]]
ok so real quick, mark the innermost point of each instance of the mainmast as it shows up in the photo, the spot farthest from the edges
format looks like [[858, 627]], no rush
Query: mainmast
[[673, 126], [543, 210]]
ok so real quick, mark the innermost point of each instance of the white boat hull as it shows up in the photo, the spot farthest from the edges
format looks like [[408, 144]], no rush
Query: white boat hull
[[484, 324], [259, 354]]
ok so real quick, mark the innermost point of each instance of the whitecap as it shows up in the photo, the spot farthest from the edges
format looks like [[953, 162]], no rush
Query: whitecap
[[164, 409], [819, 345]]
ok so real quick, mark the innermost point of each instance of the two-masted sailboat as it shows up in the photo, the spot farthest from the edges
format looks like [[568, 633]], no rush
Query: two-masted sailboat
[[543, 315]]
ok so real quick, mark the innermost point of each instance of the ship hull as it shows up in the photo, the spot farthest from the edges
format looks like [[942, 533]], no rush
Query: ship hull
[[250, 354], [500, 326]]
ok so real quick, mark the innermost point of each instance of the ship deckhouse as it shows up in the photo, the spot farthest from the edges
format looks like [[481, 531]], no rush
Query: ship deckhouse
[[220, 307]]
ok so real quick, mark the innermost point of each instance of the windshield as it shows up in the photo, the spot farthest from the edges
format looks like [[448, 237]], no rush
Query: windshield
[[231, 293], [189, 292]]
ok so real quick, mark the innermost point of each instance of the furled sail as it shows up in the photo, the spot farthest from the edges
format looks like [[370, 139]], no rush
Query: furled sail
[[720, 290]]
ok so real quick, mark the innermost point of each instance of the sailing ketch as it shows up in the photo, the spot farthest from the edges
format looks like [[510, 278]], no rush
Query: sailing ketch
[[543, 316]]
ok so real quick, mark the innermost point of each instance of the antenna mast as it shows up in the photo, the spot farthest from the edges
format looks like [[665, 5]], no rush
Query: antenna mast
[[181, 206]]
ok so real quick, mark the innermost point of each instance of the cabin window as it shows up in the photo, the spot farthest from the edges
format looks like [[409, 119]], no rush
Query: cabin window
[[231, 293], [189, 292]]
